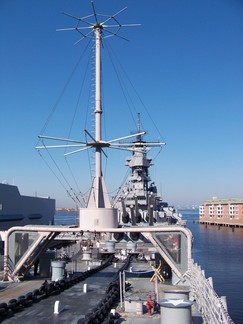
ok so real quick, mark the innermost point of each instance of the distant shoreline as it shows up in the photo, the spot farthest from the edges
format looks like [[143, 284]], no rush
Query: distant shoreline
[[58, 209]]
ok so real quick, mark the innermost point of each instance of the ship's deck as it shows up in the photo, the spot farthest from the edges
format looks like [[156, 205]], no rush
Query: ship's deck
[[76, 303]]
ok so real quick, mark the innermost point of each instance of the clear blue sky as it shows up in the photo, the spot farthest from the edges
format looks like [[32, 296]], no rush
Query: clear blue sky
[[186, 63]]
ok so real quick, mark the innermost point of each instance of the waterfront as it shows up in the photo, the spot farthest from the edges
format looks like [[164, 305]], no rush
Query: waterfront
[[217, 250]]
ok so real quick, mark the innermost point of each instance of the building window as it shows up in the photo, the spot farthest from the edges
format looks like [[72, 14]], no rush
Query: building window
[[201, 210], [211, 210], [219, 210], [231, 210], [237, 214]]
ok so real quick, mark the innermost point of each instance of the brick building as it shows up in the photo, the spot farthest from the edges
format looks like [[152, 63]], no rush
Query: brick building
[[222, 212]]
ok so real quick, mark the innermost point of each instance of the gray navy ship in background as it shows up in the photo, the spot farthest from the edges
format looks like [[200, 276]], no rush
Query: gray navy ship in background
[[20, 210]]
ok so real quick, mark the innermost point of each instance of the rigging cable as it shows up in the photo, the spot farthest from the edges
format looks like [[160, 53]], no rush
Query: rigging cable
[[69, 135], [54, 108], [122, 86], [62, 92], [90, 106], [54, 173], [137, 94], [119, 80]]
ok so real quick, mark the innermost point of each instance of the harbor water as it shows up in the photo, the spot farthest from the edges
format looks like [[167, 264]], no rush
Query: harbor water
[[217, 249], [219, 252]]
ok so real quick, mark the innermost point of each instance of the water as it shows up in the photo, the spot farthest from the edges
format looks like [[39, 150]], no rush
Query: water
[[66, 218], [218, 251]]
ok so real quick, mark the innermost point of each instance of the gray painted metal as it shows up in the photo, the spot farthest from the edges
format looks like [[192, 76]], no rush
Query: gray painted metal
[[58, 270], [176, 311], [19, 210], [177, 294]]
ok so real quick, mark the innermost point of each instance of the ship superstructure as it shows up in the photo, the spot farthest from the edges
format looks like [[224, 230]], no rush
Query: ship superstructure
[[139, 200]]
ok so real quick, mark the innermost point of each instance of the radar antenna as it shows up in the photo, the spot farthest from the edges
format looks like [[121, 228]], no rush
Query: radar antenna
[[99, 26], [108, 24]]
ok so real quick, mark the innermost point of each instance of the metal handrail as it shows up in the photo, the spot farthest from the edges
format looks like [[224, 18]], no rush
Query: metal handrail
[[210, 305]]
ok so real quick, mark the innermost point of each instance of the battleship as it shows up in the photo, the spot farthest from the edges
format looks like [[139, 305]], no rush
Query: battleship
[[139, 200], [131, 259]]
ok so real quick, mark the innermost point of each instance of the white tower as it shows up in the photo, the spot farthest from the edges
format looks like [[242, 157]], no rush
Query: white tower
[[98, 213]]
